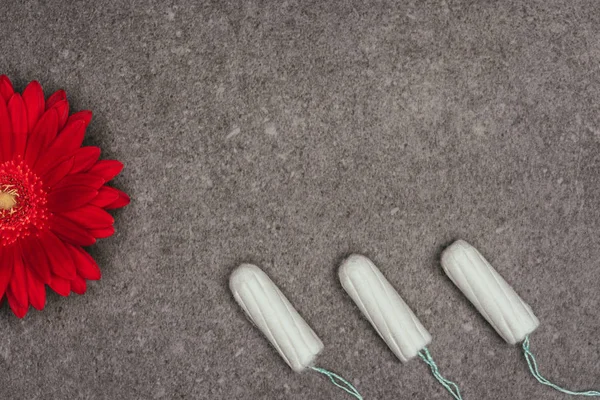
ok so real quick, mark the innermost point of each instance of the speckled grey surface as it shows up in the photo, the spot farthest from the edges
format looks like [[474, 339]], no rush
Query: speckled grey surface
[[290, 134]]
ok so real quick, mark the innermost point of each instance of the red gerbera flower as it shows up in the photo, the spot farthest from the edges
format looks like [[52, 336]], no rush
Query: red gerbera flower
[[52, 197]]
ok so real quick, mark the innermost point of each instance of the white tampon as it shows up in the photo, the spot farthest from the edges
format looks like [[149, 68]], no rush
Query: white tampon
[[489, 293], [393, 320], [273, 314]]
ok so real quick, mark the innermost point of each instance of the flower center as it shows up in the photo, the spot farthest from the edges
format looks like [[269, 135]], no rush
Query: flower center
[[23, 202], [8, 198]]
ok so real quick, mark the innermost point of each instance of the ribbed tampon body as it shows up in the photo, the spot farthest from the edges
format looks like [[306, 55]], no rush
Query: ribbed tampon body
[[393, 320], [273, 314], [495, 299]]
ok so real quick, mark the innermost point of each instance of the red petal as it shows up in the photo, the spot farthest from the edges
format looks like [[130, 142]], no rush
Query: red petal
[[36, 290], [85, 116], [70, 232], [33, 96], [6, 88], [85, 264], [43, 133], [36, 259], [6, 268], [62, 109], [55, 98], [18, 119], [5, 134], [78, 285], [15, 306], [65, 144], [61, 263], [89, 180], [103, 233], [106, 196], [56, 174], [85, 158], [60, 285], [69, 198], [18, 282], [90, 217], [122, 201], [107, 169]]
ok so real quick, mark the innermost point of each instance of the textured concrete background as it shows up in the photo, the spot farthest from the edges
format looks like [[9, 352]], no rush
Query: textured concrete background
[[291, 134]]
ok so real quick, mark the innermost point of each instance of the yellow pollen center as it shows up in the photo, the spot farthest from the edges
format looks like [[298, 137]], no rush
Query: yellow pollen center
[[8, 198]]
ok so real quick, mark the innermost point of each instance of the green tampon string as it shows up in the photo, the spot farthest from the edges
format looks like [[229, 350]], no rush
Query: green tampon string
[[339, 382], [533, 367], [450, 386]]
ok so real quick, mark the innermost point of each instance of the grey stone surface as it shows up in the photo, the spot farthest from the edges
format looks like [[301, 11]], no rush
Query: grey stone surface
[[290, 134]]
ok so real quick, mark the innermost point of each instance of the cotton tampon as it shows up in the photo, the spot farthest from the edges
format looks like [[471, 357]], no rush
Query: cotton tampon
[[393, 320], [499, 304], [273, 314], [510, 316]]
